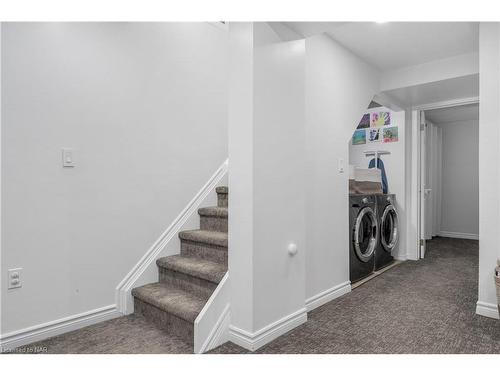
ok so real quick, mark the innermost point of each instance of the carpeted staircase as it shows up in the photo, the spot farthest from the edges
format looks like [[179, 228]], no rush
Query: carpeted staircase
[[187, 280]]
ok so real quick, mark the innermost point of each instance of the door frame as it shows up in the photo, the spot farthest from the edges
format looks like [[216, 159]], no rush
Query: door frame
[[414, 229]]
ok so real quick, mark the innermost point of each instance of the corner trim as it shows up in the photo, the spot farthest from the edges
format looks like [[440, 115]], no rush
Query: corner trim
[[253, 341], [42, 331], [218, 333], [220, 329], [328, 295], [490, 310], [466, 236], [125, 286]]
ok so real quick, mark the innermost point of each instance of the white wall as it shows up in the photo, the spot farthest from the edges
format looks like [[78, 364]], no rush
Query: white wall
[[145, 107], [411, 186], [240, 130], [460, 177], [279, 197], [339, 87], [266, 151], [394, 164], [2, 279], [489, 161], [437, 70]]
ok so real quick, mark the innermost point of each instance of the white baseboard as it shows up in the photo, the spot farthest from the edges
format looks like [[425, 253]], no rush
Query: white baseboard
[[328, 295], [465, 236], [253, 341], [490, 310], [43, 331], [124, 299]]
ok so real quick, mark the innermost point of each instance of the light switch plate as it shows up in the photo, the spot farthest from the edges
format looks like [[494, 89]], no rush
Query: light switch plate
[[14, 275], [68, 157], [341, 165]]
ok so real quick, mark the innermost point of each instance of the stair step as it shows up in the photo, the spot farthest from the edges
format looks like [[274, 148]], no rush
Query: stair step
[[192, 274], [205, 237], [213, 219], [222, 196], [202, 250], [222, 190], [172, 300], [215, 211], [195, 267]]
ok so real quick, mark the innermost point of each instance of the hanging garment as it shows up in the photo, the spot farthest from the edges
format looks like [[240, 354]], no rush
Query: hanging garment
[[385, 186]]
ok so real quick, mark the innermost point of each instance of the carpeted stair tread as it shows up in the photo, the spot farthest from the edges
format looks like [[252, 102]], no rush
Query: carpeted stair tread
[[215, 211], [196, 267], [222, 190], [205, 236], [175, 301]]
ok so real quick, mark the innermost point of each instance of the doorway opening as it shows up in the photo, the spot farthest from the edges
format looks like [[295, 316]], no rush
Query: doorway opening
[[448, 187]]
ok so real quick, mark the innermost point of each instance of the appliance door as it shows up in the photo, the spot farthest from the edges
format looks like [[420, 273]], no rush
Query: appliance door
[[389, 228], [365, 234]]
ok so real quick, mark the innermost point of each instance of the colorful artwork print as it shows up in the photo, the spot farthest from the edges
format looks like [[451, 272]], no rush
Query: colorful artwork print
[[365, 122], [390, 134], [359, 137], [380, 119], [373, 135]]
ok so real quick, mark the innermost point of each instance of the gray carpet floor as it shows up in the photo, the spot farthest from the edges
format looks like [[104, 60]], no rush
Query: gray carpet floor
[[416, 307], [129, 334]]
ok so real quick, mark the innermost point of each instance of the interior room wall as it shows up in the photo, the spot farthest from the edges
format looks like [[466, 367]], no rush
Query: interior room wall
[[433, 71], [279, 205], [339, 87], [240, 146], [412, 250], [489, 157], [144, 105], [394, 164], [460, 178], [266, 98]]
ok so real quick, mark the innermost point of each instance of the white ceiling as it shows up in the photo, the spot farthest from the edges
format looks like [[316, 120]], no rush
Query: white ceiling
[[453, 114], [395, 45], [434, 92]]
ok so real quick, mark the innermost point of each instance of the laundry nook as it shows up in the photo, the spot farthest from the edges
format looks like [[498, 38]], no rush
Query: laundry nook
[[376, 192]]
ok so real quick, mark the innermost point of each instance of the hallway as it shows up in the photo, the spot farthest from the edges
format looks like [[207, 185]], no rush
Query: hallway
[[416, 307]]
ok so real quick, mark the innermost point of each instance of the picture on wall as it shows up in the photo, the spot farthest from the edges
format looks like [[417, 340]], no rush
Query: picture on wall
[[359, 137], [381, 119], [390, 134], [373, 135], [365, 121]]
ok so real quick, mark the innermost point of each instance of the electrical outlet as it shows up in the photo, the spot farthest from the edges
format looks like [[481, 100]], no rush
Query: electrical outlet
[[14, 275]]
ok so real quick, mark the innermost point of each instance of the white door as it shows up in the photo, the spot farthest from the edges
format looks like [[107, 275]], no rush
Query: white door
[[423, 191]]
